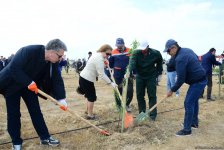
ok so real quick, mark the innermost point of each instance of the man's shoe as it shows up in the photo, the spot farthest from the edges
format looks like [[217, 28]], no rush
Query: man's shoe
[[16, 147], [152, 119], [183, 133], [93, 117], [210, 99], [128, 109], [193, 126], [50, 141]]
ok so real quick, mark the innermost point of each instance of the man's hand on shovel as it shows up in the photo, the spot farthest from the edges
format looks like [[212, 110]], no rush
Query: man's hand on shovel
[[33, 87], [64, 105]]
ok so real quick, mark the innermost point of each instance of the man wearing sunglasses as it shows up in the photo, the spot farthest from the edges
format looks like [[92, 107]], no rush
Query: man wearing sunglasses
[[189, 71], [119, 61], [33, 67]]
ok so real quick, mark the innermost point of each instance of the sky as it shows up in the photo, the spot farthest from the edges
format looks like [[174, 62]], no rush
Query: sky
[[85, 25]]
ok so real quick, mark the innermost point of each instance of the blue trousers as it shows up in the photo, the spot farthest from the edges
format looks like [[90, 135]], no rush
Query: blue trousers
[[191, 104], [13, 115], [171, 79]]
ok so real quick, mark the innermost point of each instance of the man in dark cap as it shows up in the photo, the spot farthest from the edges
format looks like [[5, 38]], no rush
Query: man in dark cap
[[191, 72], [119, 61]]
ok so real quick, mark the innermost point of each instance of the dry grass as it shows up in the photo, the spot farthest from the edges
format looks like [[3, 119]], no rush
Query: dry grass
[[149, 135]]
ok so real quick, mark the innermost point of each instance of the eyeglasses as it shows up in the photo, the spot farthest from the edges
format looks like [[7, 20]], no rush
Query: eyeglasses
[[59, 56], [108, 54], [168, 51]]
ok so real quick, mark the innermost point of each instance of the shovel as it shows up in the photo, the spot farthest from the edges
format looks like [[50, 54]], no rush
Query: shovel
[[128, 118], [142, 116], [103, 132]]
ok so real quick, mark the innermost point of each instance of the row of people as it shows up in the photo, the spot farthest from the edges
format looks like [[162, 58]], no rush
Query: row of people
[[5, 61], [36, 66]]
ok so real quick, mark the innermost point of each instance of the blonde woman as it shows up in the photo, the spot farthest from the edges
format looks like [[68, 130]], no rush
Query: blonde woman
[[93, 69]]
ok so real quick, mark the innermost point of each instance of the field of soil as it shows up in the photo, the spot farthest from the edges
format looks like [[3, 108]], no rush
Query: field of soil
[[75, 134]]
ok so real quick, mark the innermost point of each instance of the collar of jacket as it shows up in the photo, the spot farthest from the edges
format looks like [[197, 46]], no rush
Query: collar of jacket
[[178, 50]]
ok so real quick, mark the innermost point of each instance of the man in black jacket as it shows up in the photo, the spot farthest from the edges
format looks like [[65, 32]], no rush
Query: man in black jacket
[[33, 67], [208, 61]]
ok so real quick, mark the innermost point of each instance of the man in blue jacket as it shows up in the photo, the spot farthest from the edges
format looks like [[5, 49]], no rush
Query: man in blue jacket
[[119, 61], [191, 72], [32, 67], [208, 61]]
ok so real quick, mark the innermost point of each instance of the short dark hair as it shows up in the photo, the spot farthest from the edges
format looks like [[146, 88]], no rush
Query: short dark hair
[[90, 53], [56, 44], [212, 50]]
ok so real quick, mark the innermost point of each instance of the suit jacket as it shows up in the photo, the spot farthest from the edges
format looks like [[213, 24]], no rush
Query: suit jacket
[[208, 60], [29, 65]]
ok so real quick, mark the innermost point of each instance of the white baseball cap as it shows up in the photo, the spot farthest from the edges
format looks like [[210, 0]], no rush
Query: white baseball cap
[[143, 44]]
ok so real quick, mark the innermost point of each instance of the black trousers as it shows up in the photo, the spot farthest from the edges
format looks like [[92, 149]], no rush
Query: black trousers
[[13, 115], [209, 87], [130, 89], [150, 86]]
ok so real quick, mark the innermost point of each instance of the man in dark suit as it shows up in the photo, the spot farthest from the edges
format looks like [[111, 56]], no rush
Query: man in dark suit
[[1, 65], [208, 61], [33, 67]]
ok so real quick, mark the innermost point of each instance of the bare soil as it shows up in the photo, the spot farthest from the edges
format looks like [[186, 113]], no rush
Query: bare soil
[[75, 134]]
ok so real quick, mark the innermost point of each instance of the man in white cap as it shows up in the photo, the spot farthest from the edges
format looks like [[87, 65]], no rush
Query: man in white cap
[[148, 65]]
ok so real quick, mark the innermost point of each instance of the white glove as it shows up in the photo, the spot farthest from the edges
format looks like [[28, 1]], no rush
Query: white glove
[[63, 102], [159, 78], [127, 75], [114, 85]]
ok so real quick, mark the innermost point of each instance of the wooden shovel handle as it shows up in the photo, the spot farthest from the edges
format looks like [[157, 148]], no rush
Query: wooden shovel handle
[[71, 112]]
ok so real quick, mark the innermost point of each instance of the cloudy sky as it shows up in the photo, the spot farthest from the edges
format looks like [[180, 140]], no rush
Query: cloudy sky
[[85, 25]]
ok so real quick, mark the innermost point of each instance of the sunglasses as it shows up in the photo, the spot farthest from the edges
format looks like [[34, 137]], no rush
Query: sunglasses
[[108, 54]]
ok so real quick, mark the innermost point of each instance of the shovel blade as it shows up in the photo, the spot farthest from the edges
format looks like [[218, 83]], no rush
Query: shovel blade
[[141, 117], [128, 120]]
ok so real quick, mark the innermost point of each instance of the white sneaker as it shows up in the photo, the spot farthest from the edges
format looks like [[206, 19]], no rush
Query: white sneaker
[[16, 147], [128, 109], [177, 95]]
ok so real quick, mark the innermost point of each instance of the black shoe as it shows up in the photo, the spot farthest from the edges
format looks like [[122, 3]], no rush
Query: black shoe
[[210, 99], [152, 119], [93, 117], [201, 96], [16, 147], [193, 126], [50, 141], [183, 133]]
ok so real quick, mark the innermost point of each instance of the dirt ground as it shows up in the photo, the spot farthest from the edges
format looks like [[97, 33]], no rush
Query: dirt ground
[[75, 134]]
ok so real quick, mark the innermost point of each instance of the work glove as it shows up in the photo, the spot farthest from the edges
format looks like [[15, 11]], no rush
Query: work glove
[[159, 78], [33, 87], [127, 75], [114, 85], [63, 103]]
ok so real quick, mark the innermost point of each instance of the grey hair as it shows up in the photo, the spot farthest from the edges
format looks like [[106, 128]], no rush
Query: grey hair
[[56, 44]]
